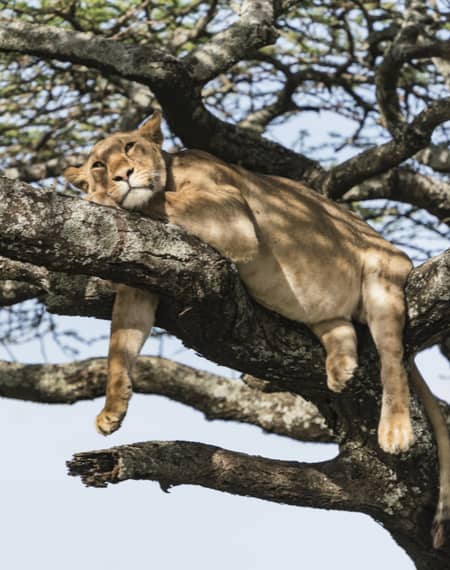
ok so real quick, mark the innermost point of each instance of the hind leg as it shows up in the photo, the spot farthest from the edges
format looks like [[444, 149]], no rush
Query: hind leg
[[338, 337], [385, 308]]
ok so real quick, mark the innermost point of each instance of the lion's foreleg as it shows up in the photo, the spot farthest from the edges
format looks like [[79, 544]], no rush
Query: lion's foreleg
[[132, 320]]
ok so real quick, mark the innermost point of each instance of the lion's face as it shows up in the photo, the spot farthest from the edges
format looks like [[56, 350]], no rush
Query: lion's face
[[128, 168]]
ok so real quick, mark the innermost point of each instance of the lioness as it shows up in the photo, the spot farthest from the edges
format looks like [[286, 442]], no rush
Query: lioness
[[298, 253]]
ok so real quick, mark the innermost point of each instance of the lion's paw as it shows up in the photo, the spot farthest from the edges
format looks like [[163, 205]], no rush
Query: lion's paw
[[108, 422], [395, 433]]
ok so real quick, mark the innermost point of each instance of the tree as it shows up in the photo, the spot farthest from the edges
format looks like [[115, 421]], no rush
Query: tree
[[75, 71]]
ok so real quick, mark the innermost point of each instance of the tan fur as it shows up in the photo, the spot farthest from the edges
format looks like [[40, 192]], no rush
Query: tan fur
[[298, 253]]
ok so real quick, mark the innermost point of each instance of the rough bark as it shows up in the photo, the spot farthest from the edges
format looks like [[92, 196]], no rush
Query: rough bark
[[404, 185], [217, 397], [175, 463], [357, 480]]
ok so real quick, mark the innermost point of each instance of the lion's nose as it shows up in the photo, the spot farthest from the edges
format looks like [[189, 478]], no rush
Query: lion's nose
[[123, 175]]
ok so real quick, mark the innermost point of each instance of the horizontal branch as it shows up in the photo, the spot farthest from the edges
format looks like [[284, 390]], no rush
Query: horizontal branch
[[185, 463], [405, 185], [356, 482], [58, 291], [138, 63], [217, 397]]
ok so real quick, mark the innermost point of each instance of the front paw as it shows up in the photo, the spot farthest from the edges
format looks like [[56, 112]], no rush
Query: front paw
[[395, 433], [108, 422]]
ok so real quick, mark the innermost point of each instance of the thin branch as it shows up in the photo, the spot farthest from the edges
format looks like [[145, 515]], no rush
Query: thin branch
[[379, 159], [407, 45], [34, 172], [181, 36]]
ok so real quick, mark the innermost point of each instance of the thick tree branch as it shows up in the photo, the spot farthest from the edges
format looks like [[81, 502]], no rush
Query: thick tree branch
[[433, 276], [355, 482], [71, 235], [405, 185], [178, 463], [217, 397]]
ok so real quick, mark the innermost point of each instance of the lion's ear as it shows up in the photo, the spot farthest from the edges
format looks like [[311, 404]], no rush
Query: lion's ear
[[76, 175], [151, 129]]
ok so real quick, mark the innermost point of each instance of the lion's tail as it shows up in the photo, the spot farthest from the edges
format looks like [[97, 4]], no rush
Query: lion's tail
[[441, 524]]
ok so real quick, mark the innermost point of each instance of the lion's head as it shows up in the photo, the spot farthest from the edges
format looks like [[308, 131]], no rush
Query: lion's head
[[128, 168]]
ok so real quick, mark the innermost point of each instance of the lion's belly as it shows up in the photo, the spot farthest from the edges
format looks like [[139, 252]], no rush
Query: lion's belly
[[308, 290], [310, 261]]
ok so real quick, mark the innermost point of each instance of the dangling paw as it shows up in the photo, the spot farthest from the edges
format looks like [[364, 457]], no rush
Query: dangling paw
[[395, 433], [108, 422]]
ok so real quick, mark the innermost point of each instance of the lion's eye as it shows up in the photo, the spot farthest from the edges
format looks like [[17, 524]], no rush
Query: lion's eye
[[129, 146], [98, 164]]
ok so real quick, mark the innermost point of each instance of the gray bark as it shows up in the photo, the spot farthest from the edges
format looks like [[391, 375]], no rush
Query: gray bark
[[217, 397]]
